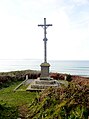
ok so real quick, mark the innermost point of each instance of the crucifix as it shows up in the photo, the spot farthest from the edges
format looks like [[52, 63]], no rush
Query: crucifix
[[45, 66], [45, 26]]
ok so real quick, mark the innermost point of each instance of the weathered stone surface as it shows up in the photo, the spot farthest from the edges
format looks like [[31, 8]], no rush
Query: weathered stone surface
[[44, 70], [38, 84]]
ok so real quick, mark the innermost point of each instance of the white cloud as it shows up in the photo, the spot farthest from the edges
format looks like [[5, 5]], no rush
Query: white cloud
[[81, 2], [21, 38]]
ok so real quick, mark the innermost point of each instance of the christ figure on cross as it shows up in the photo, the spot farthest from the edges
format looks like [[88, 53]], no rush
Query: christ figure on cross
[[45, 26]]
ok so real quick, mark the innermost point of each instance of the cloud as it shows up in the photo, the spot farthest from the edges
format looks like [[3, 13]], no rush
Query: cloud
[[81, 2], [22, 38], [70, 34]]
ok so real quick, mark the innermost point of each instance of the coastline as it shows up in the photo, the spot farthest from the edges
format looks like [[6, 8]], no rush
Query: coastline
[[72, 67], [11, 76]]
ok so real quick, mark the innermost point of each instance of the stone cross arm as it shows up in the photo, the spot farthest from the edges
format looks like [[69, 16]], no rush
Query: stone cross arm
[[44, 25]]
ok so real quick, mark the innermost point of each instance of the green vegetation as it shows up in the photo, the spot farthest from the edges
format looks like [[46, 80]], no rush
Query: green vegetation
[[69, 78], [14, 101], [15, 104], [8, 78], [63, 83], [8, 112], [22, 87], [70, 102], [8, 96]]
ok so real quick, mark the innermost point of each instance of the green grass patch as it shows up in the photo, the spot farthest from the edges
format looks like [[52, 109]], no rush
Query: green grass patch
[[15, 104], [8, 96], [23, 87]]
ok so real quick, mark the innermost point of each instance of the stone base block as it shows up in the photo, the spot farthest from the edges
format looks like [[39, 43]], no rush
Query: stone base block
[[42, 84], [44, 70]]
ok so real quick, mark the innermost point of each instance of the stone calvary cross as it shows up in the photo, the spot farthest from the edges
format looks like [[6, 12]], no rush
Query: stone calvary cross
[[44, 81], [45, 66], [45, 26]]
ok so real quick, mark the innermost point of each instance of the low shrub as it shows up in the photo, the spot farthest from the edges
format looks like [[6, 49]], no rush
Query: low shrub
[[69, 78], [6, 79], [70, 102], [7, 112]]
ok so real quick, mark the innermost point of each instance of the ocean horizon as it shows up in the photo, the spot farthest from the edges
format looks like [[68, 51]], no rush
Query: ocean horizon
[[73, 67]]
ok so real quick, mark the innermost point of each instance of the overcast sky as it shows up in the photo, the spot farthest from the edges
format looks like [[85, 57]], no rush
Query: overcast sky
[[20, 37]]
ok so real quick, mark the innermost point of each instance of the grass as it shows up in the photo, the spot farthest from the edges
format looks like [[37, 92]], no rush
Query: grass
[[63, 82], [18, 98], [23, 87], [16, 104]]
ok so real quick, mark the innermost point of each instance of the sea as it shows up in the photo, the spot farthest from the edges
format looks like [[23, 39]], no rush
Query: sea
[[72, 67]]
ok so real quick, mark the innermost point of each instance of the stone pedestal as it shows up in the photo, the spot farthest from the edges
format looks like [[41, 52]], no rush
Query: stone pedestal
[[44, 71], [40, 85]]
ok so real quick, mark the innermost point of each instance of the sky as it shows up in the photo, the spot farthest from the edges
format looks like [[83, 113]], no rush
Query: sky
[[21, 38]]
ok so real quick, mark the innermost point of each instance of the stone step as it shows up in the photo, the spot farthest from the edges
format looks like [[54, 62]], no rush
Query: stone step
[[39, 85], [42, 86], [46, 82]]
